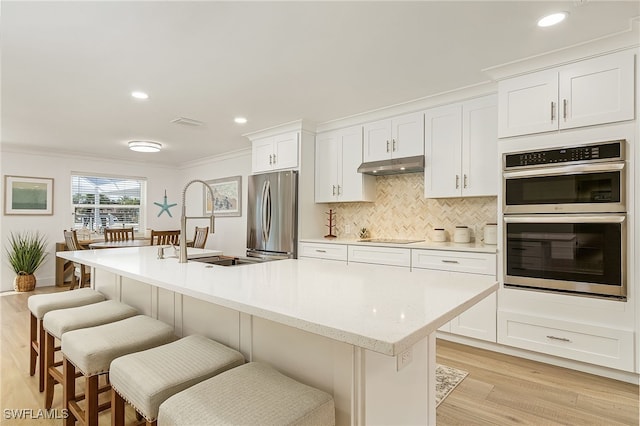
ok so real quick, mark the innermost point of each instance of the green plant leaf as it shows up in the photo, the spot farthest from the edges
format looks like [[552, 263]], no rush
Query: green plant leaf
[[26, 251]]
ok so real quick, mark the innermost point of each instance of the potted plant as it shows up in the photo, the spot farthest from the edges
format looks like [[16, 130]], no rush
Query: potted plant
[[26, 252]]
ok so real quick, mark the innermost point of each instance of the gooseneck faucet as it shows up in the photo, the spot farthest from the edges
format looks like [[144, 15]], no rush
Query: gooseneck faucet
[[183, 219]]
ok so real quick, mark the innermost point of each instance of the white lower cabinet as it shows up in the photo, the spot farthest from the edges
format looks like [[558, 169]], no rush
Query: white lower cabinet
[[595, 344], [379, 255], [478, 322], [333, 252]]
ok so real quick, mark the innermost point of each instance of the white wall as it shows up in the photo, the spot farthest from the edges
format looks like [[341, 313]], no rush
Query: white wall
[[60, 167]]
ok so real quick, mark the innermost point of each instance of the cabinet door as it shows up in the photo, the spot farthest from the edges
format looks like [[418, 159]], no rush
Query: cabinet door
[[262, 155], [597, 91], [480, 159], [377, 140], [285, 151], [479, 321], [407, 135], [443, 139], [326, 174], [528, 104], [353, 186]]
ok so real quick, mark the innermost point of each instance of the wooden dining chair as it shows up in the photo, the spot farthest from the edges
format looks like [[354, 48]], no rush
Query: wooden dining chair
[[81, 276], [200, 237], [165, 237], [118, 234]]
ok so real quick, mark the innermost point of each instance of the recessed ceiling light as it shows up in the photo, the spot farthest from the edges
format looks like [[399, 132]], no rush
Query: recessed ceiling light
[[240, 120], [552, 19], [139, 95], [144, 146]]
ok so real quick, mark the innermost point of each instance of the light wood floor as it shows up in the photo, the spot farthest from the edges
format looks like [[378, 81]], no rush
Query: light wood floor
[[499, 390]]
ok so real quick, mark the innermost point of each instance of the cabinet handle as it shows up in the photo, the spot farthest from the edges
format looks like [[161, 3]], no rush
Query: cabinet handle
[[338, 189], [457, 181], [270, 159], [562, 339], [274, 159], [564, 109], [333, 191], [387, 146], [465, 180], [394, 145], [321, 251], [449, 261], [553, 111]]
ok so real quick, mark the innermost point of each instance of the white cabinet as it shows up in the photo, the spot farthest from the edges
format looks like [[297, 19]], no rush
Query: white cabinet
[[333, 252], [338, 155], [398, 137], [461, 149], [479, 321], [275, 152], [379, 255], [594, 91]]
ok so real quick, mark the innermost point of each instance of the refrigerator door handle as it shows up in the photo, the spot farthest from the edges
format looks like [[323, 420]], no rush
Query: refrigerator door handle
[[266, 210]]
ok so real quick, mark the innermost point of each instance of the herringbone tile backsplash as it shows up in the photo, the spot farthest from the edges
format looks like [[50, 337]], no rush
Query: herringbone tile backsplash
[[401, 211]]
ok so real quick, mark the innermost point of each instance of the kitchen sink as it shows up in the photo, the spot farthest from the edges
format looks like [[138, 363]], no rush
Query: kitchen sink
[[227, 260]]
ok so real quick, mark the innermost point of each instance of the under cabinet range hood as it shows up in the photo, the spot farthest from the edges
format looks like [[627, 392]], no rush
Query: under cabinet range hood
[[393, 166]]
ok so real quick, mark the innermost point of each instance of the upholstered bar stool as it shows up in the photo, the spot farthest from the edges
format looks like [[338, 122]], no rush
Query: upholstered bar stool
[[58, 322], [39, 305], [252, 394], [91, 350], [146, 379]]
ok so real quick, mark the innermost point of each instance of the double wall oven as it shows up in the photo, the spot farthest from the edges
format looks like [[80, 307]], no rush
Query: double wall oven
[[565, 221]]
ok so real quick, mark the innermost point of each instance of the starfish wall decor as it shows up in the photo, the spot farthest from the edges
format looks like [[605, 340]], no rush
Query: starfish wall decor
[[164, 207]]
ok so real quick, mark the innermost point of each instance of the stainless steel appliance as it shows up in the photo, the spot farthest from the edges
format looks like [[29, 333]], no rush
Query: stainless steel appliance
[[587, 178], [272, 215], [565, 223]]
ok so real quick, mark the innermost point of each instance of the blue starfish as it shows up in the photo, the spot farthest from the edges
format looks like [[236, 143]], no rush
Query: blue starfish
[[164, 207]]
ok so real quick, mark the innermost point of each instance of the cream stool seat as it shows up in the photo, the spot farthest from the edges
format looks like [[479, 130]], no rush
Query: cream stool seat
[[146, 379], [252, 394], [39, 305], [60, 321], [91, 350]]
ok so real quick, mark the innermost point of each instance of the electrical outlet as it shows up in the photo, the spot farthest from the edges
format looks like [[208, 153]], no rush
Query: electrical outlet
[[347, 229], [403, 359]]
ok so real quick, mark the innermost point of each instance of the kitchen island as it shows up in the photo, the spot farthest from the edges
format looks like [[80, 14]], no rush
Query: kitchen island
[[363, 333]]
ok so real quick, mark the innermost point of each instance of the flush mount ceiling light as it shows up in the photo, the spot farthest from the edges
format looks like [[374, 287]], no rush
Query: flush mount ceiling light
[[240, 120], [144, 146], [139, 95], [554, 18]]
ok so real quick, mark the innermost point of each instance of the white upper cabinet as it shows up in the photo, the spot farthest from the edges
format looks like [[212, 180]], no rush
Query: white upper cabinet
[[398, 137], [275, 152], [461, 151], [338, 155], [595, 91]]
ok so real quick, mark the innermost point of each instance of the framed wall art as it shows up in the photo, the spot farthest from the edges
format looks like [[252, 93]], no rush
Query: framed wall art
[[227, 193], [25, 195]]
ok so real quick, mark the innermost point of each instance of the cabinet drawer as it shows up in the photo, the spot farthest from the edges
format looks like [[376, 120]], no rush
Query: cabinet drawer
[[380, 255], [594, 344], [455, 261], [324, 251]]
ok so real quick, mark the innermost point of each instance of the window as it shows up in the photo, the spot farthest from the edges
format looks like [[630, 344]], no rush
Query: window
[[107, 201]]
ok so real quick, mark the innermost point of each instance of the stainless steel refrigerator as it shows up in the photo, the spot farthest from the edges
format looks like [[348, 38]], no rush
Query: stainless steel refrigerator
[[272, 215]]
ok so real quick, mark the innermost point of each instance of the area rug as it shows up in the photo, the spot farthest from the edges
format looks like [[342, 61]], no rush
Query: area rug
[[447, 378]]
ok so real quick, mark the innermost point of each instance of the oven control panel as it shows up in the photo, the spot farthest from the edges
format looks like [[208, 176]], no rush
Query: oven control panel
[[606, 151]]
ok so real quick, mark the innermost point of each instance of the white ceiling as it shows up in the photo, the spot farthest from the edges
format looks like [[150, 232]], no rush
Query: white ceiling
[[68, 67]]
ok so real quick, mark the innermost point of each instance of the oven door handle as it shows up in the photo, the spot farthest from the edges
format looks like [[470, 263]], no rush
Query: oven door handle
[[567, 218], [564, 170]]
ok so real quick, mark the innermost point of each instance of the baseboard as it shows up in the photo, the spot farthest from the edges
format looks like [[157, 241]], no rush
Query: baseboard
[[623, 376]]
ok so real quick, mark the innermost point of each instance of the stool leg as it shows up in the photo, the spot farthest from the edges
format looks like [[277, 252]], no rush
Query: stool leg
[[68, 390], [49, 351], [33, 351], [117, 409], [91, 400], [41, 356]]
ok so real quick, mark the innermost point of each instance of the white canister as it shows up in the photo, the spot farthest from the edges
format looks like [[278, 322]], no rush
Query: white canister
[[461, 234], [491, 233], [438, 235]]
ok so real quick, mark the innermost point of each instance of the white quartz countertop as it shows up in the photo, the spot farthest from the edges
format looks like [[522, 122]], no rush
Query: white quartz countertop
[[473, 246], [383, 309]]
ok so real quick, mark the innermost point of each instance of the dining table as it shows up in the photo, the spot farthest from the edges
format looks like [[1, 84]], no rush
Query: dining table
[[120, 244]]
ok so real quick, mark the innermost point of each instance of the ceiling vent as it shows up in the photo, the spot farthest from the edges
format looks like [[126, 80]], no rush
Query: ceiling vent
[[187, 121]]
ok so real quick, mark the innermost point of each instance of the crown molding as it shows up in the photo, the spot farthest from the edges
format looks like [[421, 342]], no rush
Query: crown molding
[[216, 158], [292, 126]]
